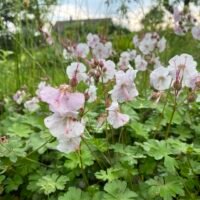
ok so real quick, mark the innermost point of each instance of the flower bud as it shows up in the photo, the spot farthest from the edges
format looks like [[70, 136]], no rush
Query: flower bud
[[191, 97], [74, 82], [177, 85]]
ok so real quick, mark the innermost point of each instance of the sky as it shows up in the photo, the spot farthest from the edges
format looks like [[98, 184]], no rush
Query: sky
[[84, 9]]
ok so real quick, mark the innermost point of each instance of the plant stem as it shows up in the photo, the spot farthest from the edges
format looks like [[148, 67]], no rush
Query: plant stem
[[82, 169], [172, 115]]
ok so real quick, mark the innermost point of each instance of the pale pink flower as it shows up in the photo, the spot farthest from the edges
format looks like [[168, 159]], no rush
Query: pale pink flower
[[76, 71], [125, 89], [115, 118], [161, 44], [108, 49], [41, 85], [64, 126], [148, 43], [136, 41], [66, 145], [132, 54], [100, 51], [193, 80], [196, 32], [108, 71], [19, 96], [32, 105], [91, 93], [182, 68], [81, 50], [140, 63], [92, 40], [160, 78], [61, 100]]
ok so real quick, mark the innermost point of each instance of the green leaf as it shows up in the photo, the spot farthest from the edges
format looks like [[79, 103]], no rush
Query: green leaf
[[127, 154], [50, 183], [167, 188], [170, 164], [12, 184], [139, 130], [12, 149], [85, 158], [110, 174], [22, 130], [74, 194], [177, 118], [157, 149], [117, 190]]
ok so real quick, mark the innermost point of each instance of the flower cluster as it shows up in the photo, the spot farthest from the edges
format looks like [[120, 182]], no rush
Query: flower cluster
[[180, 73], [149, 46], [95, 78], [64, 123], [184, 22]]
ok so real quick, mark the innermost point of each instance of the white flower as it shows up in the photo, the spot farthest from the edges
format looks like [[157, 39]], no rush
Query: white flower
[[92, 40], [19, 96], [157, 63], [67, 145], [182, 68], [32, 104], [160, 78], [140, 63], [63, 126], [196, 32], [161, 44], [125, 89], [193, 80], [77, 71], [100, 51], [82, 50], [132, 54], [136, 41], [67, 55], [91, 92], [108, 48], [41, 86], [115, 118], [147, 44], [108, 71]]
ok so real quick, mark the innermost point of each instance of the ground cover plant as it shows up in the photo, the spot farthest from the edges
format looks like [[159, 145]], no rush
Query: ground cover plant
[[115, 124]]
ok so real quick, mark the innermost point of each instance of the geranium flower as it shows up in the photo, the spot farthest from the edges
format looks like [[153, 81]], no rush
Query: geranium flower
[[108, 71], [91, 93], [160, 78], [124, 60], [99, 51], [115, 118], [81, 50], [32, 104], [148, 43], [76, 71], [182, 68], [62, 100], [68, 145], [161, 44], [19, 96], [125, 89], [196, 32], [140, 63], [92, 40], [64, 126]]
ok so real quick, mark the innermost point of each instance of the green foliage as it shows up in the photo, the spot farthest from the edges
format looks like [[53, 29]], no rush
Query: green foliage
[[156, 156], [50, 183], [117, 190], [167, 187]]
